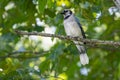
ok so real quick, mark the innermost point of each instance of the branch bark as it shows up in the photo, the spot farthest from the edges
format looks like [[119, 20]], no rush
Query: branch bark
[[87, 41]]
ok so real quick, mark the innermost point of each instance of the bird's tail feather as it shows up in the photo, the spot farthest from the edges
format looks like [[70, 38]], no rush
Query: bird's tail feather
[[83, 56], [84, 59]]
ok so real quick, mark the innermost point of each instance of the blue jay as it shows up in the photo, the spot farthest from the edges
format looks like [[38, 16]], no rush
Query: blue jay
[[73, 28]]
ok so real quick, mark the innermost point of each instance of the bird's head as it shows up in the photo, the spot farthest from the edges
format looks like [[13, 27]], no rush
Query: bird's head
[[66, 13]]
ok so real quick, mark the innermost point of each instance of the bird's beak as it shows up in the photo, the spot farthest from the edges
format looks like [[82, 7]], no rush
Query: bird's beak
[[62, 12]]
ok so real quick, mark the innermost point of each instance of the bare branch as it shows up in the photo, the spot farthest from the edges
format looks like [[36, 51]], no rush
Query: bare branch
[[87, 41]]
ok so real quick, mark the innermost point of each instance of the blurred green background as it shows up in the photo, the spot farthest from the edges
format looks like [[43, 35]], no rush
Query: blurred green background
[[39, 58]]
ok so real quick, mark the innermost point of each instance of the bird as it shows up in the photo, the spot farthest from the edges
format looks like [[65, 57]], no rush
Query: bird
[[73, 28]]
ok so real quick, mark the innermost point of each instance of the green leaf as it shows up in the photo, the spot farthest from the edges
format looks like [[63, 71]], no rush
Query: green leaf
[[38, 28], [50, 12], [41, 6]]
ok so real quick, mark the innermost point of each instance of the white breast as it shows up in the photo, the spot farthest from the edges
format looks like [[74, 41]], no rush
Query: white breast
[[72, 28]]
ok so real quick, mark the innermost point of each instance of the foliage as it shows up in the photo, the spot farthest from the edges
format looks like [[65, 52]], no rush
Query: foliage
[[27, 58]]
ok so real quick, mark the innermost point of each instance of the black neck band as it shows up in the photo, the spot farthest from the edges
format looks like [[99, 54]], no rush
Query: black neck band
[[67, 17]]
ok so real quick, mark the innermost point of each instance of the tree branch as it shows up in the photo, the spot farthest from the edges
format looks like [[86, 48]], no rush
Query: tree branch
[[30, 54], [87, 41]]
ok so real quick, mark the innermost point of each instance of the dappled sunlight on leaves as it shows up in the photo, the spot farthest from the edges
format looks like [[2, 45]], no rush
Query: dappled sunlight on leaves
[[26, 57]]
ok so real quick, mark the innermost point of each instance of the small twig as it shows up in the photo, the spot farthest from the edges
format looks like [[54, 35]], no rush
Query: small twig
[[31, 54]]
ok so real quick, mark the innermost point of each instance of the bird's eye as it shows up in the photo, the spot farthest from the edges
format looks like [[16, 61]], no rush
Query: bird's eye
[[66, 11]]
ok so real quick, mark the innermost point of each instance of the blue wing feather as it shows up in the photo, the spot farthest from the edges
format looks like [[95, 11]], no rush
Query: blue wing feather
[[83, 33]]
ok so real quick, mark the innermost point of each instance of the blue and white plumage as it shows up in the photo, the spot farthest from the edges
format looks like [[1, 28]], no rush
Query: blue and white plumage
[[73, 28]]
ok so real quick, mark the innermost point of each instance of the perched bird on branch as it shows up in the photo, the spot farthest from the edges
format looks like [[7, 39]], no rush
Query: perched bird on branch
[[73, 28]]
